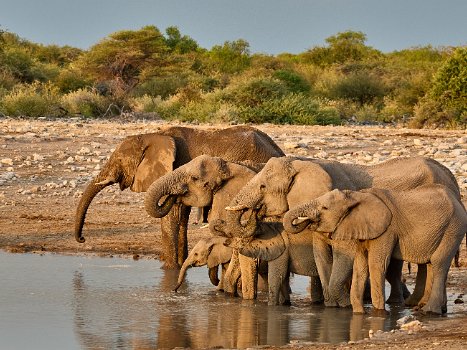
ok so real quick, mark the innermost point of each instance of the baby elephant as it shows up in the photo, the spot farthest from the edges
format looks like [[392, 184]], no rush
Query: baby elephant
[[211, 252], [423, 225]]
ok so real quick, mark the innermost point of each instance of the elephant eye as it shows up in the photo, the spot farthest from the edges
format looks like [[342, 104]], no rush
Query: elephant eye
[[262, 186], [324, 207], [195, 178]]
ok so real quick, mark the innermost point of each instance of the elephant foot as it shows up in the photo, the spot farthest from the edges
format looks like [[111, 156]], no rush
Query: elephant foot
[[331, 303], [433, 310], [231, 294], [395, 299], [412, 300], [379, 312], [317, 302], [170, 266]]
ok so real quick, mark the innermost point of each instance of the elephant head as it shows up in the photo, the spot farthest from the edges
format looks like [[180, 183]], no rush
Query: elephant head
[[282, 183], [135, 163], [267, 245], [194, 184], [211, 252], [342, 215]]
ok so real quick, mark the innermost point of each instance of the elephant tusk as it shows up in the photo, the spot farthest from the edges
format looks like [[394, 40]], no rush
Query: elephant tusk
[[105, 182], [300, 219], [235, 208]]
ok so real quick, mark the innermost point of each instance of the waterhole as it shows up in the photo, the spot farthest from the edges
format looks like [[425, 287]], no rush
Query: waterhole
[[71, 302]]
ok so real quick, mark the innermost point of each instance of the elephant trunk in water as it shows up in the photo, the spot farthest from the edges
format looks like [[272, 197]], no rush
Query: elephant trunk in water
[[170, 186], [88, 195], [296, 220], [181, 276]]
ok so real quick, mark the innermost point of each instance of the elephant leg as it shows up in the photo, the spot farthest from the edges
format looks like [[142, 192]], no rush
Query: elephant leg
[[378, 265], [323, 259], [316, 290], [394, 277], [428, 286], [182, 246], [170, 229], [341, 273], [437, 299], [359, 278], [277, 275], [249, 276], [232, 275], [419, 289]]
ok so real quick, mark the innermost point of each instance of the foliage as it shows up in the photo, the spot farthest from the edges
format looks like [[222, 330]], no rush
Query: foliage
[[85, 102], [169, 75], [32, 100]]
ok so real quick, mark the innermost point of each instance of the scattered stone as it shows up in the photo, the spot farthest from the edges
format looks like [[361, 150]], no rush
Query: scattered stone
[[7, 161]]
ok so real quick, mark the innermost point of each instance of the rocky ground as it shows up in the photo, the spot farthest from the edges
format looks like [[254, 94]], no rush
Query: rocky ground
[[45, 164]]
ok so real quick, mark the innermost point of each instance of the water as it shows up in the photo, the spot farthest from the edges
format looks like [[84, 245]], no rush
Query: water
[[69, 302]]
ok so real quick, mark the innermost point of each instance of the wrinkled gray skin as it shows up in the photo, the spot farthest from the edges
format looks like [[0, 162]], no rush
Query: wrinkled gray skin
[[208, 181], [285, 254], [141, 159], [211, 252], [287, 182], [424, 225]]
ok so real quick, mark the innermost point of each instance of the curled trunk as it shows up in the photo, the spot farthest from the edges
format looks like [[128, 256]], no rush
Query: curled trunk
[[298, 219], [88, 195], [169, 186], [239, 229]]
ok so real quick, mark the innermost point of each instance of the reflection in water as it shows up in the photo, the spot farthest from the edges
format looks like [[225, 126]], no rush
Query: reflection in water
[[123, 304]]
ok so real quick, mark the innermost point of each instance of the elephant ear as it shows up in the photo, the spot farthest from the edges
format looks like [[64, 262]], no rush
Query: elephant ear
[[219, 254], [368, 217], [267, 246], [158, 158]]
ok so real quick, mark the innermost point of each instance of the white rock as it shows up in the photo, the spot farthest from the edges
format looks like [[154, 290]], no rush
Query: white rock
[[417, 142], [37, 157], [7, 161]]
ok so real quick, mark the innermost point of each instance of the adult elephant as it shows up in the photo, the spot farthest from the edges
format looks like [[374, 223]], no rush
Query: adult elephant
[[141, 159], [208, 181], [422, 225], [287, 182]]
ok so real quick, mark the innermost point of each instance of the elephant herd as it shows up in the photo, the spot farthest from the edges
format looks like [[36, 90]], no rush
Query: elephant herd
[[271, 215]]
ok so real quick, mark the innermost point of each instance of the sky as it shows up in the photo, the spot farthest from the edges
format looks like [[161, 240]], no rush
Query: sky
[[269, 26]]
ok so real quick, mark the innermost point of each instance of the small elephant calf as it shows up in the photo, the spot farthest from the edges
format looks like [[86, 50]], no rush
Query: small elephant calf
[[423, 225], [211, 252]]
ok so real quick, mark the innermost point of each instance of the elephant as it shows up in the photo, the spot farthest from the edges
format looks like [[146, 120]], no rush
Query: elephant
[[211, 252], [286, 182], [285, 254], [140, 159], [208, 182], [424, 225]]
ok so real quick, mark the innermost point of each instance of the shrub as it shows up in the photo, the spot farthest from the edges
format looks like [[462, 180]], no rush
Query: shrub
[[291, 109], [85, 102], [433, 113], [32, 100], [359, 87]]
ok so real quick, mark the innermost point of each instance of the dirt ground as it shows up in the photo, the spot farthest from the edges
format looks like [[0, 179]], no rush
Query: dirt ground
[[45, 165]]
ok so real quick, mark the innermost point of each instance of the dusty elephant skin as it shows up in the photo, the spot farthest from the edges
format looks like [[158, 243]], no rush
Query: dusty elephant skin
[[287, 182], [141, 159], [44, 165], [424, 225]]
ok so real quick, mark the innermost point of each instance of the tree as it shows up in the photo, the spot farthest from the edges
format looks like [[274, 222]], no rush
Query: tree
[[178, 43], [122, 56], [232, 57]]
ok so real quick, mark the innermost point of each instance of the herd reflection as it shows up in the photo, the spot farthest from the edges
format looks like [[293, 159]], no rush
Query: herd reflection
[[143, 317]]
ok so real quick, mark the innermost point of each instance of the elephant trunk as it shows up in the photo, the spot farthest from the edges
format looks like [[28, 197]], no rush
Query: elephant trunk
[[213, 276], [170, 186], [296, 220], [88, 195], [182, 274], [238, 229]]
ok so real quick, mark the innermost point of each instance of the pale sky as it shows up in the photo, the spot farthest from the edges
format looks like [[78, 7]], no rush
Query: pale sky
[[270, 26]]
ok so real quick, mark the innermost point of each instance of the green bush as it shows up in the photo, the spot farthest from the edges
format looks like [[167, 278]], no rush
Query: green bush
[[85, 102], [433, 113], [290, 109], [32, 100], [359, 87]]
